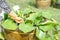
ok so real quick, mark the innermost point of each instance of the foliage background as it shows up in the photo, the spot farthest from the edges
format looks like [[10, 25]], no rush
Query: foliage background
[[22, 3]]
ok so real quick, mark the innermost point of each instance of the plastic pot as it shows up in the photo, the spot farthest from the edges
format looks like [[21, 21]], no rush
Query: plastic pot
[[43, 3]]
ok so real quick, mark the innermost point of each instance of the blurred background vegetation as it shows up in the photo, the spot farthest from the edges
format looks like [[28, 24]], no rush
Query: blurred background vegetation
[[22, 4]]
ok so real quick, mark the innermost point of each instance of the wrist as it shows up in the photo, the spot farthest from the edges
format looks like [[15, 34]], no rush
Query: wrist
[[12, 14]]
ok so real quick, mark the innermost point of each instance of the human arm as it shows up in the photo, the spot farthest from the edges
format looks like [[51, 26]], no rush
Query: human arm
[[4, 5]]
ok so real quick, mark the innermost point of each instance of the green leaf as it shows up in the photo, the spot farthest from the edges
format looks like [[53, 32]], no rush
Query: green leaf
[[47, 27], [58, 27], [27, 11], [37, 22], [26, 27], [37, 33], [58, 1], [29, 21], [51, 34], [40, 34], [9, 24], [5, 16], [49, 22], [57, 37], [20, 14], [46, 38], [34, 16], [47, 14], [1, 36]]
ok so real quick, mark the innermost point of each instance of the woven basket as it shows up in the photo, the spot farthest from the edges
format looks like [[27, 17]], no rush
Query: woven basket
[[18, 35], [12, 35], [27, 36], [43, 3]]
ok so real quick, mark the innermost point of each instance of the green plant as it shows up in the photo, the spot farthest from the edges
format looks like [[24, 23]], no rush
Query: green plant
[[58, 1], [46, 27], [1, 36], [53, 2]]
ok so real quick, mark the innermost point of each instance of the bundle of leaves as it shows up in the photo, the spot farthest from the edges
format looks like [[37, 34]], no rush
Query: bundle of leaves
[[46, 27]]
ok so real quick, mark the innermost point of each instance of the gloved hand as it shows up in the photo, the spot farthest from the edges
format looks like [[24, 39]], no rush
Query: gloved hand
[[15, 17]]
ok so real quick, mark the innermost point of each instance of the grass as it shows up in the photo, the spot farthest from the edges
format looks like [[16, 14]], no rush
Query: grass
[[55, 12]]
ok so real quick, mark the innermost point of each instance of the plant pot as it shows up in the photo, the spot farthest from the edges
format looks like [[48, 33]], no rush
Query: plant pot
[[57, 5], [18, 35], [27, 36], [43, 3], [12, 35]]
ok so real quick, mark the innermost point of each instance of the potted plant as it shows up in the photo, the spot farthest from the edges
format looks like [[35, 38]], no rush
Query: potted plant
[[43, 3], [36, 24], [53, 2], [58, 4], [15, 31], [10, 30]]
